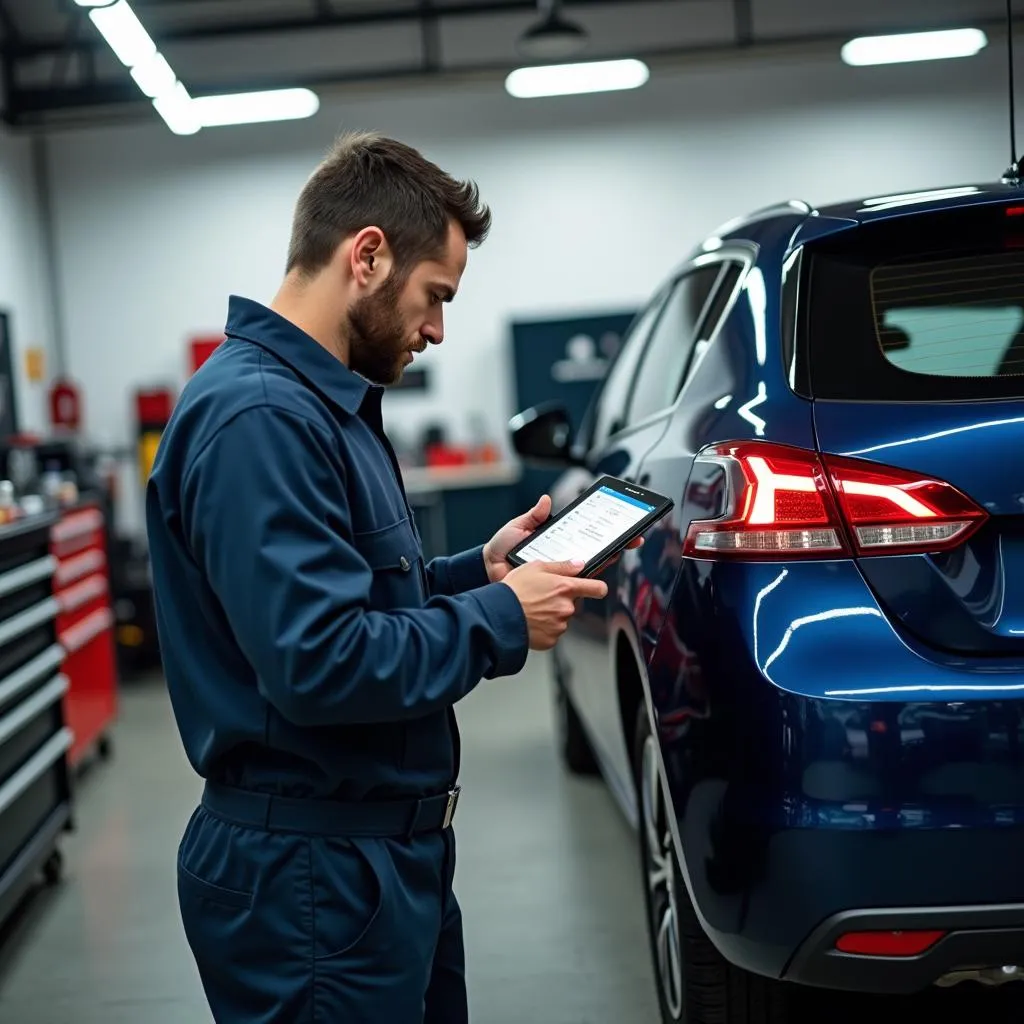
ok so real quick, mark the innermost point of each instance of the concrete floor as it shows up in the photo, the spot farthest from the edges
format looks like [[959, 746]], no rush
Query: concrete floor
[[547, 879]]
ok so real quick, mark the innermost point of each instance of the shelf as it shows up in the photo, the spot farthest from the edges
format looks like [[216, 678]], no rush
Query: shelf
[[426, 480], [22, 527]]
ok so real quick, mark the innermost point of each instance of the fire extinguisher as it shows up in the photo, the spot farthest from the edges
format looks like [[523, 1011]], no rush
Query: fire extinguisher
[[65, 405]]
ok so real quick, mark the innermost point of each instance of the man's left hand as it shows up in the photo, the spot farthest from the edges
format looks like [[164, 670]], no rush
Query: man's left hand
[[516, 531]]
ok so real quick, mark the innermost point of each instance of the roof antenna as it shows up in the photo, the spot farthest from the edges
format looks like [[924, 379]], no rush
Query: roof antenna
[[1012, 175]]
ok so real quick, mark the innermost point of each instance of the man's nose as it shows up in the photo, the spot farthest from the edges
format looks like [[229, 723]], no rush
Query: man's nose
[[433, 333]]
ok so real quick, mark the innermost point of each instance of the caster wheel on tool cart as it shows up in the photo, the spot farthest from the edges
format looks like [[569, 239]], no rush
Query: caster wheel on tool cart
[[105, 748], [53, 869]]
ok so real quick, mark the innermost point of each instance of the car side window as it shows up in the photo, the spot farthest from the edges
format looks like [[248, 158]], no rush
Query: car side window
[[714, 311], [668, 353], [610, 416]]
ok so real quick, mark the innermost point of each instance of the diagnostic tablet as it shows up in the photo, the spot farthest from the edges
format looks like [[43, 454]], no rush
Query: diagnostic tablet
[[598, 525]]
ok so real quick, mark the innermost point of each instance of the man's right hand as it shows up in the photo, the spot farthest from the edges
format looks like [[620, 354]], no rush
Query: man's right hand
[[548, 592]]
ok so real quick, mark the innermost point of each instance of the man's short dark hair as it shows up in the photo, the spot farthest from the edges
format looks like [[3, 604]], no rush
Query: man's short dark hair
[[368, 179]]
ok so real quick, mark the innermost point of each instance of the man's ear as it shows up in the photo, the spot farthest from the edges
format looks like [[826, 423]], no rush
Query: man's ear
[[369, 257]]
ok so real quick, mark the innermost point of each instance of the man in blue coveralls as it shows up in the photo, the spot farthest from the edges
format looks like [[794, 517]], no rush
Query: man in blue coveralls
[[313, 659]]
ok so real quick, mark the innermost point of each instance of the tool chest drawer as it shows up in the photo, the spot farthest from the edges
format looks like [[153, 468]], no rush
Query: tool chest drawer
[[35, 795], [85, 625]]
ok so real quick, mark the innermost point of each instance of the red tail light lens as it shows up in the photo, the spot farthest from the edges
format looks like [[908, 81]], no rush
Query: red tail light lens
[[788, 502], [892, 509], [893, 944]]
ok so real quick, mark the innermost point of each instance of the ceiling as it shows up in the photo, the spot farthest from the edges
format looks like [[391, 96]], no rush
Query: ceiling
[[57, 69]]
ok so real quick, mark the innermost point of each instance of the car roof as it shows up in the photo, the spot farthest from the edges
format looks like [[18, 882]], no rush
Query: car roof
[[862, 211], [896, 205]]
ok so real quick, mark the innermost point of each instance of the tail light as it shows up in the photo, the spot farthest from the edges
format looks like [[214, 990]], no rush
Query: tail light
[[890, 944], [789, 502]]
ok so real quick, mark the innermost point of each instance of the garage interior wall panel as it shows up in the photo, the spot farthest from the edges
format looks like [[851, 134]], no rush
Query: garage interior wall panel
[[24, 292]]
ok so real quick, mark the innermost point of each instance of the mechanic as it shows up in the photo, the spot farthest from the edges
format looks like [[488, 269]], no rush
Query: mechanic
[[313, 660]]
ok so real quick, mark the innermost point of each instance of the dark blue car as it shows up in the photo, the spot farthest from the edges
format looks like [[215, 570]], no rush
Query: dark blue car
[[806, 689]]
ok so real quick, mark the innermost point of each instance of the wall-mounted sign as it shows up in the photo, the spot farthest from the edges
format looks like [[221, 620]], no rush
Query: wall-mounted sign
[[35, 365]]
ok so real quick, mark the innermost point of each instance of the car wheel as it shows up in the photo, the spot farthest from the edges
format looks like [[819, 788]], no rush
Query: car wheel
[[696, 984], [573, 745]]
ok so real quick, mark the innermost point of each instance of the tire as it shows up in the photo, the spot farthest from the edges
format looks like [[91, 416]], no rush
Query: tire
[[573, 745], [696, 984]]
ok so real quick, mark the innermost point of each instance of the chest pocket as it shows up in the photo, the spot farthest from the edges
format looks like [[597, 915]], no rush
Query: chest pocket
[[395, 556]]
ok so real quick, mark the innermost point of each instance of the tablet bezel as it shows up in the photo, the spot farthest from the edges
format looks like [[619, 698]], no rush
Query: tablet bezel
[[662, 506]]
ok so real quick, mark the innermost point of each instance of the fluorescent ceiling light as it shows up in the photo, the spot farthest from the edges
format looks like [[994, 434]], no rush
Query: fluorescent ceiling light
[[254, 107], [177, 109], [575, 79], [914, 46], [124, 33], [132, 45], [155, 77]]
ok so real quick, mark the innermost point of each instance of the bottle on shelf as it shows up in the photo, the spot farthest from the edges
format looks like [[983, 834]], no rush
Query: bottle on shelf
[[8, 502]]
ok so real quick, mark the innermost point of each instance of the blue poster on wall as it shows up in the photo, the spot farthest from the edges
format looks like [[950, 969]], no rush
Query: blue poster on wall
[[562, 361]]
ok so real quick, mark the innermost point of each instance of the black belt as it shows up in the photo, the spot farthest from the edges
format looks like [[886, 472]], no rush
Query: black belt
[[331, 817]]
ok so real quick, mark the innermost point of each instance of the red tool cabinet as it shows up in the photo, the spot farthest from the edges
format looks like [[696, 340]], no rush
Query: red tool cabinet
[[85, 624]]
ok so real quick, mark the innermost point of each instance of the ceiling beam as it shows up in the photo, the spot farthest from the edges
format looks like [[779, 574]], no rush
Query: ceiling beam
[[431, 34], [412, 12], [11, 33], [743, 17], [116, 101]]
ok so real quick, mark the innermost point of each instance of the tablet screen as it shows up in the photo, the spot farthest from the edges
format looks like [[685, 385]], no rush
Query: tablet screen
[[585, 531]]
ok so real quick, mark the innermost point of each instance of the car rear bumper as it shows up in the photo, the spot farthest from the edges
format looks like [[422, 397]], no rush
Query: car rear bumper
[[796, 803], [976, 938], [774, 900]]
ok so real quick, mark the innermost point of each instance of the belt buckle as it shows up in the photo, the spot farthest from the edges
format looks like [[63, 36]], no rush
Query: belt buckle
[[449, 811]]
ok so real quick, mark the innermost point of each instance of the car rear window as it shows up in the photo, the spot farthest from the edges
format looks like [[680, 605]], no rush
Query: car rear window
[[926, 307]]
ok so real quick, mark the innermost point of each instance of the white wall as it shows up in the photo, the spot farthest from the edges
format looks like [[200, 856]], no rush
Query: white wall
[[24, 291], [594, 199]]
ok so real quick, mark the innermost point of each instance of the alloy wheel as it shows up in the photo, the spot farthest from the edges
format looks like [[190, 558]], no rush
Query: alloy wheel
[[662, 881]]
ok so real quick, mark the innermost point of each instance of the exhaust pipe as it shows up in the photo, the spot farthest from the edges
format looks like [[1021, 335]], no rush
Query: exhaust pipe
[[982, 975]]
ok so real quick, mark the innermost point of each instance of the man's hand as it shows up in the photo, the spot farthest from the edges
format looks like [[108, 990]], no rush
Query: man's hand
[[516, 531], [511, 534], [548, 592]]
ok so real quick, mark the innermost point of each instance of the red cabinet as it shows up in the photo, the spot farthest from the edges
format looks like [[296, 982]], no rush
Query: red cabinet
[[85, 625]]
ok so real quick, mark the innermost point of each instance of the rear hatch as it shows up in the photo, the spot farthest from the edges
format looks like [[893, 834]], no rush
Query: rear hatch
[[910, 341]]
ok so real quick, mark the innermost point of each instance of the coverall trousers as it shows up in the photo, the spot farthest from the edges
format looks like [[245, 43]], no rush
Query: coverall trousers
[[288, 928]]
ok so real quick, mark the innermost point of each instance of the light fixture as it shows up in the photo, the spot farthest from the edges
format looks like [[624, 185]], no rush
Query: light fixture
[[155, 77], [255, 107], [914, 46], [132, 45], [124, 33], [553, 37], [575, 79], [177, 110]]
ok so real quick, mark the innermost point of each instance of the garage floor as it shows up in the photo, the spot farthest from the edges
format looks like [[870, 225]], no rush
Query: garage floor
[[547, 879]]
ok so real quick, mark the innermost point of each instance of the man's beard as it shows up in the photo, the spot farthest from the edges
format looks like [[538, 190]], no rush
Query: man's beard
[[377, 340]]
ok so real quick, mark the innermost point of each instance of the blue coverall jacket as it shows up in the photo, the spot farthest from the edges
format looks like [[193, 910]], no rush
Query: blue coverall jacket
[[308, 649]]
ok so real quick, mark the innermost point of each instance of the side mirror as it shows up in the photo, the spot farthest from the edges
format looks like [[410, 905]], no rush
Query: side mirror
[[543, 434]]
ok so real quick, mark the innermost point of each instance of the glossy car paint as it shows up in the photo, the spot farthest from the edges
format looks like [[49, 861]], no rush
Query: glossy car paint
[[821, 753]]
